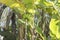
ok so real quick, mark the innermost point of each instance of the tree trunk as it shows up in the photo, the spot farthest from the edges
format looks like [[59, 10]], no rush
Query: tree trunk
[[5, 18], [13, 19]]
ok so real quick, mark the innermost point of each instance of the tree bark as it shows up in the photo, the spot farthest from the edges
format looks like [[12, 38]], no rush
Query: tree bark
[[13, 19], [5, 18]]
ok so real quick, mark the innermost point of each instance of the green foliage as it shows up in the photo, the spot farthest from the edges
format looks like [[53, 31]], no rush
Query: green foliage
[[39, 31], [28, 9], [7, 35]]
